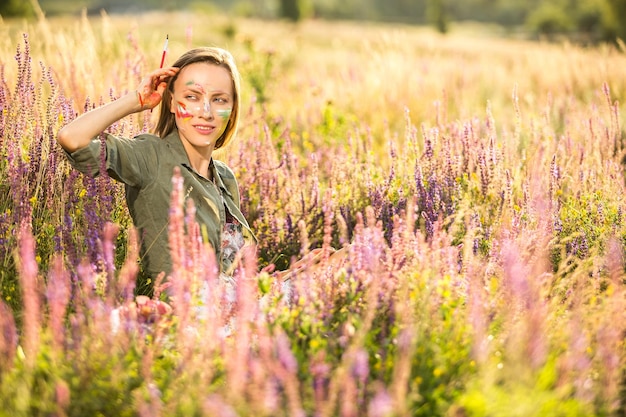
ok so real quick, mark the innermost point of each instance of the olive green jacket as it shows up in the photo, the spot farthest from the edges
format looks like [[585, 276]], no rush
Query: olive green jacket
[[145, 164]]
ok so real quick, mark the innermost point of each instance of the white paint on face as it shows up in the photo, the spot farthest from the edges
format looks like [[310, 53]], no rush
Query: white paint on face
[[202, 102]]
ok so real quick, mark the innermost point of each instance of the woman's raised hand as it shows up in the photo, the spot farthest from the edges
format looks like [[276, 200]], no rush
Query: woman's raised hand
[[150, 90]]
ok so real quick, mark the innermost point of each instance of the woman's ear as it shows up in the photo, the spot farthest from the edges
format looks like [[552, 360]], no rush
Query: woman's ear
[[172, 104]]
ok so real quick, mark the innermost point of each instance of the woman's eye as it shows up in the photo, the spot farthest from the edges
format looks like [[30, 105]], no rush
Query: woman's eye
[[191, 97]]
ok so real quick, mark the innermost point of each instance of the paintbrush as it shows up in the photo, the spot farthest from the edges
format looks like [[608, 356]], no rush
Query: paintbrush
[[164, 50]]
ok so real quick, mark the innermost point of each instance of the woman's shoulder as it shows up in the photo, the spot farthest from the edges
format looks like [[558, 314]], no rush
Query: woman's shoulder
[[148, 139], [141, 139]]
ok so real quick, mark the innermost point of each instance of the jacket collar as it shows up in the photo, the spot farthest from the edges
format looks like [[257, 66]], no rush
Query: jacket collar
[[174, 142]]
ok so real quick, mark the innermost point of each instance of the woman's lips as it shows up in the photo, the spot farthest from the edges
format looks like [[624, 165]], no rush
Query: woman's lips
[[204, 129]]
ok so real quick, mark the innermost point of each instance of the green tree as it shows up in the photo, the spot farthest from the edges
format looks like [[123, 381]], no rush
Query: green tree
[[294, 10], [549, 19], [410, 11], [438, 15], [16, 8], [593, 20], [617, 25]]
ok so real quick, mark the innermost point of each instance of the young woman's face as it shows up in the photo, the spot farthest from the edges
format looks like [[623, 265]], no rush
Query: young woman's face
[[202, 103]]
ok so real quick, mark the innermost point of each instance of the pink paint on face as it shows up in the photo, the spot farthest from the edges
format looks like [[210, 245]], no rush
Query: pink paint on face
[[196, 86], [182, 112], [202, 97]]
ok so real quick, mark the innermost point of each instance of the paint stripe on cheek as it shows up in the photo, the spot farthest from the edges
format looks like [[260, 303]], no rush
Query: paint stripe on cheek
[[224, 113], [182, 112]]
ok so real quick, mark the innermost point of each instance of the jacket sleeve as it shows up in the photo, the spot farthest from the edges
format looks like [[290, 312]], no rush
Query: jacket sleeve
[[131, 161]]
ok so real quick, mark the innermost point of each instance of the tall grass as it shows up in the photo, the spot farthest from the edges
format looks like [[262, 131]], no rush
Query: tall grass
[[476, 185]]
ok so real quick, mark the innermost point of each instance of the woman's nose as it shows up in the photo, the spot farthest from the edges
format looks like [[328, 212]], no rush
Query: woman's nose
[[206, 110]]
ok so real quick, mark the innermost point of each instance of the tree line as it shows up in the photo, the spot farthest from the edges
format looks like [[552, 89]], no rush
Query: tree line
[[590, 20], [587, 20]]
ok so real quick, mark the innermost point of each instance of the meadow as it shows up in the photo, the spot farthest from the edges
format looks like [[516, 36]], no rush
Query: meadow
[[476, 183]]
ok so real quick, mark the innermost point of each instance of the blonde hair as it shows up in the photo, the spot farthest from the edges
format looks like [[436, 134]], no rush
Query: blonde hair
[[211, 55]]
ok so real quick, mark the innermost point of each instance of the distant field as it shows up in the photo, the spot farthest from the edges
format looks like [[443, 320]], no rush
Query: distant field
[[415, 65], [369, 71]]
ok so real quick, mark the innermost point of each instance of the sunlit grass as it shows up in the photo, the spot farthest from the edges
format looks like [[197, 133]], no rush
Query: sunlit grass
[[475, 182]]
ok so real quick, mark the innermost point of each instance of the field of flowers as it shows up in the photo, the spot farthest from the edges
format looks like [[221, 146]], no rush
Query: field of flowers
[[476, 184]]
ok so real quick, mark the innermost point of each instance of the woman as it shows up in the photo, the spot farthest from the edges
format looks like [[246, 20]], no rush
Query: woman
[[200, 109]]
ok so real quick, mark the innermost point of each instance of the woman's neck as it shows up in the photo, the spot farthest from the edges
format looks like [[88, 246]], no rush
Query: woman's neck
[[200, 160]]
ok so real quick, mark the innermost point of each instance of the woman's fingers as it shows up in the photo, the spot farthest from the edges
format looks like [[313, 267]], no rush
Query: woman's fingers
[[151, 88]]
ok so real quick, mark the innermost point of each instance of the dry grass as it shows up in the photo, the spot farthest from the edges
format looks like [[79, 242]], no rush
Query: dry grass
[[479, 180]]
